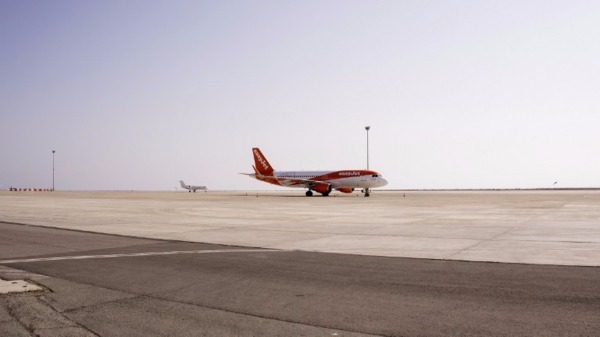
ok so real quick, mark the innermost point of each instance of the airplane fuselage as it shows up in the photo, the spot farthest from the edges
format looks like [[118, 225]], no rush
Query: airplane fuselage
[[337, 179]]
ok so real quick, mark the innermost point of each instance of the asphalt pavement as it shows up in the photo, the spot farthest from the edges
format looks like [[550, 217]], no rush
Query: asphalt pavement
[[107, 285]]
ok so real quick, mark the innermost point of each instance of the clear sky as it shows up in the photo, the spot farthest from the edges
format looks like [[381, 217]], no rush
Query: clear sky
[[458, 94]]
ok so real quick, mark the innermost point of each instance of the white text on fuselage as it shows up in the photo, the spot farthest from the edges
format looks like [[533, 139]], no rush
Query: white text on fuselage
[[350, 174]]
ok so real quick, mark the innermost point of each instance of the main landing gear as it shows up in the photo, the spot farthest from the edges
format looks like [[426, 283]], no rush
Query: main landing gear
[[309, 193], [367, 192]]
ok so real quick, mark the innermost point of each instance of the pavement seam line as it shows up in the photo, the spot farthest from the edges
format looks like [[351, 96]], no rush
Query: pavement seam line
[[262, 317], [107, 256], [76, 324], [11, 313], [142, 296], [479, 242]]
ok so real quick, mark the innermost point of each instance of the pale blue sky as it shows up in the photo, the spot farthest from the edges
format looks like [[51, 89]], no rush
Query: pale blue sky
[[141, 94]]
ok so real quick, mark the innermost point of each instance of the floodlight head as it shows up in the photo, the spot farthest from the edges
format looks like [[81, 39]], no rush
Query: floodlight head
[[367, 128]]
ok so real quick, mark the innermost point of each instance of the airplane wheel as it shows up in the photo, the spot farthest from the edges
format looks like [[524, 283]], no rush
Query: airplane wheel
[[309, 193], [367, 194], [325, 194]]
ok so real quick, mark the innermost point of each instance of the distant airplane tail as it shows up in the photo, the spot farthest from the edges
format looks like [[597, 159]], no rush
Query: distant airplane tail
[[261, 165], [182, 184]]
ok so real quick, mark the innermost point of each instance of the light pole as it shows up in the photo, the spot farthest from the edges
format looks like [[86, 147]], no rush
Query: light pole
[[367, 128], [53, 151]]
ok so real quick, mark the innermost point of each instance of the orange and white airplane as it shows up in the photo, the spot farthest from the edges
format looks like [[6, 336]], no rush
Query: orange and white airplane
[[319, 181]]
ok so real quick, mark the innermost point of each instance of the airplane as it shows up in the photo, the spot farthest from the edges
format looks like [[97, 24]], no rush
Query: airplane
[[322, 182], [191, 188]]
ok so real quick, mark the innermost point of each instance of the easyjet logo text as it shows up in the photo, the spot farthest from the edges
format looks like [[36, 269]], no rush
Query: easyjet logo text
[[350, 174], [261, 160]]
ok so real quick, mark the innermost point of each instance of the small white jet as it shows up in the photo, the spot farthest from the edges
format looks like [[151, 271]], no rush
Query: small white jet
[[191, 188]]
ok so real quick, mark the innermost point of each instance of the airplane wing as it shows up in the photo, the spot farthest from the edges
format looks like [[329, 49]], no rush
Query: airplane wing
[[289, 181], [295, 181]]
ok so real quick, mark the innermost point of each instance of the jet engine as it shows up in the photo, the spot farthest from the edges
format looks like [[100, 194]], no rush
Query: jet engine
[[322, 188]]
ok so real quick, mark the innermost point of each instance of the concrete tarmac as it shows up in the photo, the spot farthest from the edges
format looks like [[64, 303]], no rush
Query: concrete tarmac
[[104, 285], [536, 227]]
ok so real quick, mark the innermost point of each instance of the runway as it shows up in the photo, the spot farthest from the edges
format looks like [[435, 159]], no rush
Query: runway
[[278, 263], [536, 227], [106, 285]]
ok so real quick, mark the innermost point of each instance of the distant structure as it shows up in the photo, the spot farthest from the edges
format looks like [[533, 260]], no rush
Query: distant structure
[[367, 128], [53, 151], [29, 189]]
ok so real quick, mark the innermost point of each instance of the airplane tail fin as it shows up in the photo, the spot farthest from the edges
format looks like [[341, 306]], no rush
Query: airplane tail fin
[[261, 165], [182, 183]]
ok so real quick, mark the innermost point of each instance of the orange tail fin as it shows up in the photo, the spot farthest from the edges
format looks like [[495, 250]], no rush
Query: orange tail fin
[[261, 165]]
